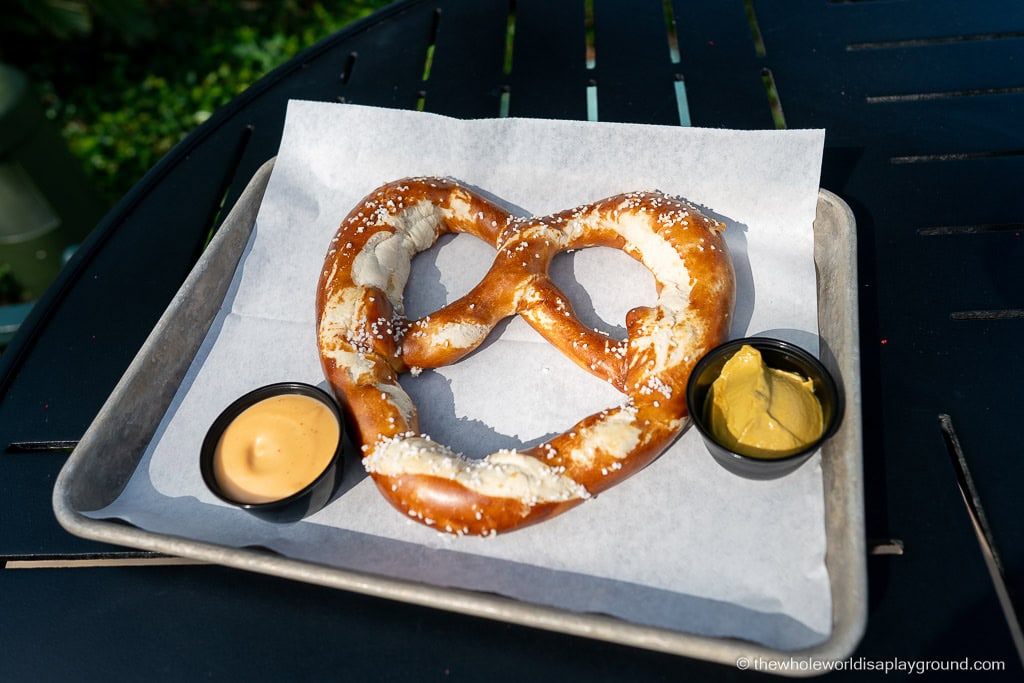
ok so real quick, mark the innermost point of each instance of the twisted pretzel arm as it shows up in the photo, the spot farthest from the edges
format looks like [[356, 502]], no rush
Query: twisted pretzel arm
[[365, 343]]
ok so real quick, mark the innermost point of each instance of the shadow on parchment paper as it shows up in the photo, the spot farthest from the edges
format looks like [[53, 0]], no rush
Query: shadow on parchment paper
[[736, 238], [432, 394], [564, 274]]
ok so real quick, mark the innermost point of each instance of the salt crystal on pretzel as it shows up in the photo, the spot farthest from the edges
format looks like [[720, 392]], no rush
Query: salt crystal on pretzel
[[365, 342]]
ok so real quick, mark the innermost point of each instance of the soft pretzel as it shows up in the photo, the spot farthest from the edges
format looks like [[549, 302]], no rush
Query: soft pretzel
[[365, 342]]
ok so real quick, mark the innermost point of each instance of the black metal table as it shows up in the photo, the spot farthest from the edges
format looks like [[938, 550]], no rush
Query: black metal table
[[923, 103]]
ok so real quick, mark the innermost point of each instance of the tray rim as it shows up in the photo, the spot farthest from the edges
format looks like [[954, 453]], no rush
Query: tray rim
[[844, 506]]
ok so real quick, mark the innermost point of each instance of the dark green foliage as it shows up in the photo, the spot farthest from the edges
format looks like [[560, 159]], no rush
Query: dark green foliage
[[125, 80]]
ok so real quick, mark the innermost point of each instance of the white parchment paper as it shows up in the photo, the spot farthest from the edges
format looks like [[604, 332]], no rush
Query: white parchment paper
[[683, 544]]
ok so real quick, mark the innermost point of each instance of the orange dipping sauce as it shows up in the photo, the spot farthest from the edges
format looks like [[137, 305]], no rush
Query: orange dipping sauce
[[275, 448]]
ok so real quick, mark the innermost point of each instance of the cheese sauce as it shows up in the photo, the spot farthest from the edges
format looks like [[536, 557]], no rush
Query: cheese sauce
[[275, 448]]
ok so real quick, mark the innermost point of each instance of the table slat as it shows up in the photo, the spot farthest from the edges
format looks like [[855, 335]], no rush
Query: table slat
[[548, 77], [633, 71], [466, 72]]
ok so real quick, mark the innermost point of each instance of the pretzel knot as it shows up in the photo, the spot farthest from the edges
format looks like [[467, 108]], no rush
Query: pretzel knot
[[365, 342]]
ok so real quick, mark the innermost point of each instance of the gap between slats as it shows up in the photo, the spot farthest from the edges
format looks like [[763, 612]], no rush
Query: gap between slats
[[925, 42], [771, 89], [428, 59], [127, 559], [955, 156], [946, 95], [986, 540]]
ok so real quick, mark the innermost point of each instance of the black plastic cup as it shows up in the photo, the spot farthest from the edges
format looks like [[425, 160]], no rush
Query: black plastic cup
[[776, 354], [303, 502]]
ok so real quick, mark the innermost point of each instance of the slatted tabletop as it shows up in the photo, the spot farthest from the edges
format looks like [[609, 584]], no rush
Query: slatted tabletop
[[923, 107]]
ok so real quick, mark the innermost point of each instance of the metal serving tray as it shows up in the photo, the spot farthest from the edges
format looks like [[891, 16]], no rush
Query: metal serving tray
[[99, 468]]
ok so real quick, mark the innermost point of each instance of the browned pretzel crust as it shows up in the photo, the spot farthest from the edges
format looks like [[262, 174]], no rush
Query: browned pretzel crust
[[365, 342]]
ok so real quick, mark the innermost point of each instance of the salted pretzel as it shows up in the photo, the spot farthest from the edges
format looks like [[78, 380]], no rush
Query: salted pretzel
[[365, 342]]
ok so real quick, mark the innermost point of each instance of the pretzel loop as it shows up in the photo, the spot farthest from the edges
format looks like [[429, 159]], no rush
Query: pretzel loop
[[365, 342]]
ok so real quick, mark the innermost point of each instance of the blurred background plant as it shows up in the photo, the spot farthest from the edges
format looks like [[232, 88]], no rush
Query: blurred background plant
[[125, 80], [94, 92]]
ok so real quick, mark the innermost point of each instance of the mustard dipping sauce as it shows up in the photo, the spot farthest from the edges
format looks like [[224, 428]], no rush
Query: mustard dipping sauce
[[275, 448], [761, 411]]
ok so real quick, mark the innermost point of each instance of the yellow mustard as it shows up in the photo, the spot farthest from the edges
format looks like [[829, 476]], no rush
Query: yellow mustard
[[760, 411], [275, 448]]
